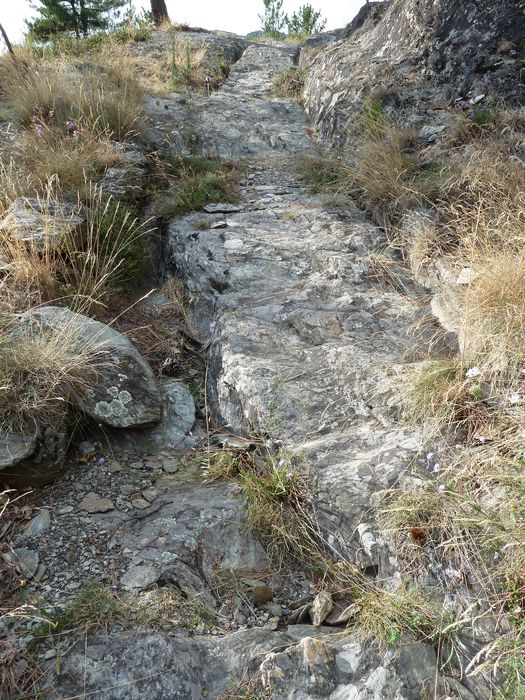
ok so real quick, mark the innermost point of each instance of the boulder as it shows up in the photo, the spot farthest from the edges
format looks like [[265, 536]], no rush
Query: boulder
[[124, 392], [43, 223]]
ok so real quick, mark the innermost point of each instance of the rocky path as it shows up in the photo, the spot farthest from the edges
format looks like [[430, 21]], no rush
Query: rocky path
[[306, 345], [305, 342]]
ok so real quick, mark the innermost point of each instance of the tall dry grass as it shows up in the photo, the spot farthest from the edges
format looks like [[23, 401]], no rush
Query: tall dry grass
[[102, 93]]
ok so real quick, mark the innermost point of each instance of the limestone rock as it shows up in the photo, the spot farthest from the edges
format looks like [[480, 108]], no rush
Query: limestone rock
[[125, 392], [43, 223]]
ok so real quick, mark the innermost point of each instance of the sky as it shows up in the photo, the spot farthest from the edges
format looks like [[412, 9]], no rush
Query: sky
[[239, 16]]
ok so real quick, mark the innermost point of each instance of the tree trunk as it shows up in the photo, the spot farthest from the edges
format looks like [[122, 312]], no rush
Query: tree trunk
[[7, 42], [159, 12]]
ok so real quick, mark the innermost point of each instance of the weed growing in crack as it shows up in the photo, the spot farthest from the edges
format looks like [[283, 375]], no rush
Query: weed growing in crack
[[289, 85]]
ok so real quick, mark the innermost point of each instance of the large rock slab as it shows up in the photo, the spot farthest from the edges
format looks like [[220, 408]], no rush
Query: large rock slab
[[124, 392], [130, 666], [157, 666], [43, 223]]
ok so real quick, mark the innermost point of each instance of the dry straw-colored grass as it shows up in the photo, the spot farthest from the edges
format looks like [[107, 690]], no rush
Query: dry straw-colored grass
[[83, 266], [101, 94]]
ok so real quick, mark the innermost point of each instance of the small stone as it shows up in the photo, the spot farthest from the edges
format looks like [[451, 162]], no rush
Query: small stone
[[86, 449], [221, 208], [136, 465], [65, 510], [152, 464], [170, 466], [275, 610], [219, 224], [92, 503], [150, 495], [50, 654], [140, 576], [71, 557], [24, 560], [113, 466], [40, 572], [272, 624], [140, 503], [261, 593], [233, 244], [128, 489], [321, 608], [39, 524], [466, 276]]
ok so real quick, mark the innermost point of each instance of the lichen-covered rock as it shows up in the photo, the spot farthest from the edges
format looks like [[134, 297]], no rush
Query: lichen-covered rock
[[416, 55], [42, 223], [173, 432], [124, 392]]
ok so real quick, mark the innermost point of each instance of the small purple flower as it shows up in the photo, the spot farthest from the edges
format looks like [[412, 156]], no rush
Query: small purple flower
[[487, 83], [101, 461], [71, 127], [59, 98], [441, 488], [282, 462], [39, 129], [289, 475]]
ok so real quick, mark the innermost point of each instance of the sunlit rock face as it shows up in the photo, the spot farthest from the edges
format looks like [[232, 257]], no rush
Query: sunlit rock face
[[418, 55]]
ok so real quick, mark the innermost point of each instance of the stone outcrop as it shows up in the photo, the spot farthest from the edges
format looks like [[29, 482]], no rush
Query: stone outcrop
[[416, 55]]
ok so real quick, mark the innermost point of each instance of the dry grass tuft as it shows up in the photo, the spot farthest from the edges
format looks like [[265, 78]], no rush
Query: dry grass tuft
[[188, 64], [40, 373], [84, 267]]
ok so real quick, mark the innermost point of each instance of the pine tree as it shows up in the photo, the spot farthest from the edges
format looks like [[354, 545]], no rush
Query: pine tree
[[79, 16], [274, 19], [159, 12], [305, 21]]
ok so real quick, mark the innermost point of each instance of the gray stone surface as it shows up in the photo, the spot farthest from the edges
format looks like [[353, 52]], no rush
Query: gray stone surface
[[39, 524], [15, 448], [174, 431], [203, 526], [157, 667], [131, 666], [43, 223], [124, 392]]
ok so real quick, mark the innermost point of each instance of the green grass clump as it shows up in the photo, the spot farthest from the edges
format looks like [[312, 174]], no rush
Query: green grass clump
[[196, 181]]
